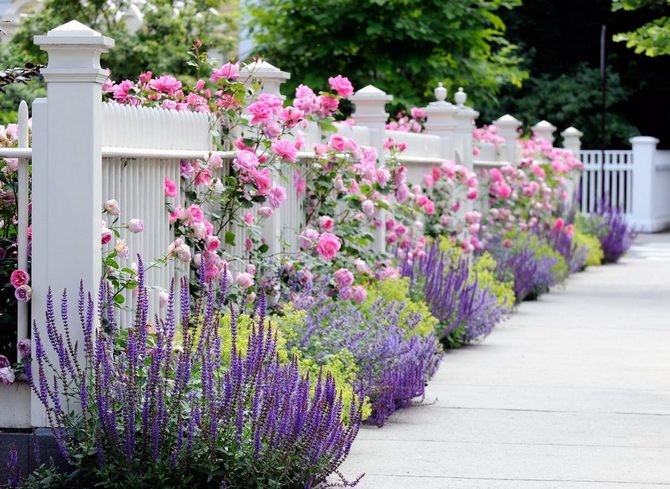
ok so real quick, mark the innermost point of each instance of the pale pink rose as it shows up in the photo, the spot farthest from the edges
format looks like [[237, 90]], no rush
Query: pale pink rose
[[199, 230], [344, 278], [163, 298], [170, 188], [358, 294], [23, 293], [7, 375], [428, 181], [135, 226], [246, 160], [328, 245], [183, 253], [360, 266], [228, 71], [12, 164], [265, 212], [338, 143], [341, 85], [308, 238], [244, 280], [212, 243], [277, 196], [248, 218], [326, 223], [106, 236], [368, 207], [121, 248], [195, 213], [19, 278], [215, 161], [286, 149], [112, 207]]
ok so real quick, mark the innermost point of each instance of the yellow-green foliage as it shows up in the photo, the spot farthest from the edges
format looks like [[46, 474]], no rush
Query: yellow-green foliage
[[542, 248], [341, 365], [483, 269], [397, 289], [594, 254]]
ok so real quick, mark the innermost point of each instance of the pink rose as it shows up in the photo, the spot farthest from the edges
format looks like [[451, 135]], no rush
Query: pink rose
[[308, 237], [328, 246], [24, 348], [344, 278], [19, 278], [212, 243], [246, 160], [358, 294], [167, 84], [112, 207], [195, 213], [215, 161], [558, 225], [368, 207], [286, 149], [326, 223], [266, 212], [277, 196], [263, 181], [244, 280], [106, 236], [260, 112], [471, 194], [163, 298], [228, 71], [23, 293], [7, 375], [338, 143], [135, 226], [341, 85], [248, 218], [170, 188], [291, 116]]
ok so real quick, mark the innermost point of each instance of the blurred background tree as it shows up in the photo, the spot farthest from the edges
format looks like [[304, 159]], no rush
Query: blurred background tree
[[652, 38], [159, 43], [403, 47]]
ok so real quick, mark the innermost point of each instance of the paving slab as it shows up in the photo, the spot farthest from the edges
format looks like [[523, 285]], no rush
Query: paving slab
[[572, 391]]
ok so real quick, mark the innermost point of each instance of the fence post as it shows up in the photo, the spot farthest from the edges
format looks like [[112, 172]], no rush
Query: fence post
[[67, 174], [441, 121], [464, 124], [271, 79], [369, 111], [644, 152], [545, 130], [508, 128], [572, 140]]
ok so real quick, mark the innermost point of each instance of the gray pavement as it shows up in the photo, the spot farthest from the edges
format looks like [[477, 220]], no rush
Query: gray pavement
[[573, 391]]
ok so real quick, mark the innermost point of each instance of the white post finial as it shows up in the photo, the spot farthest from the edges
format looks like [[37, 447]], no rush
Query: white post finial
[[545, 130], [460, 97], [572, 140], [270, 77], [508, 128], [67, 172], [440, 92]]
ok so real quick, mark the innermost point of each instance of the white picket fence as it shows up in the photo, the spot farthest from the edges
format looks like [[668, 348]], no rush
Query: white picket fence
[[86, 151], [609, 182]]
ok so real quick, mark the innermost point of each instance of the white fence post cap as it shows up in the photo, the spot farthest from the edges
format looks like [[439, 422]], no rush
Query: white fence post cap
[[261, 69], [644, 140], [508, 121], [544, 126], [371, 93], [460, 97], [572, 131], [74, 53]]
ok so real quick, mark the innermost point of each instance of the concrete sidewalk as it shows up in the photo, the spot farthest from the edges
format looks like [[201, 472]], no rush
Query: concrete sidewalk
[[573, 391]]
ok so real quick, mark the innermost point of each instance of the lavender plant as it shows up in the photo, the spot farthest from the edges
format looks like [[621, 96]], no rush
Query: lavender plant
[[156, 406], [465, 310], [574, 255], [392, 366], [610, 226]]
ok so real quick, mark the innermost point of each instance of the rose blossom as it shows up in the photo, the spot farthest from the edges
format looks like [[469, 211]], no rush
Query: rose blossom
[[19, 278], [106, 236], [215, 161], [228, 71], [244, 280], [112, 207], [260, 112], [277, 196], [328, 246], [326, 223], [7, 375], [163, 298], [344, 278], [358, 294], [135, 226], [24, 348], [265, 212], [368, 207], [23, 293], [286, 149], [170, 188], [341, 85], [308, 237]]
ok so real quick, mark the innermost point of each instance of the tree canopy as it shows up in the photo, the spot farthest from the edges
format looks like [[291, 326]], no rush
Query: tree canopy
[[403, 47], [651, 38]]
